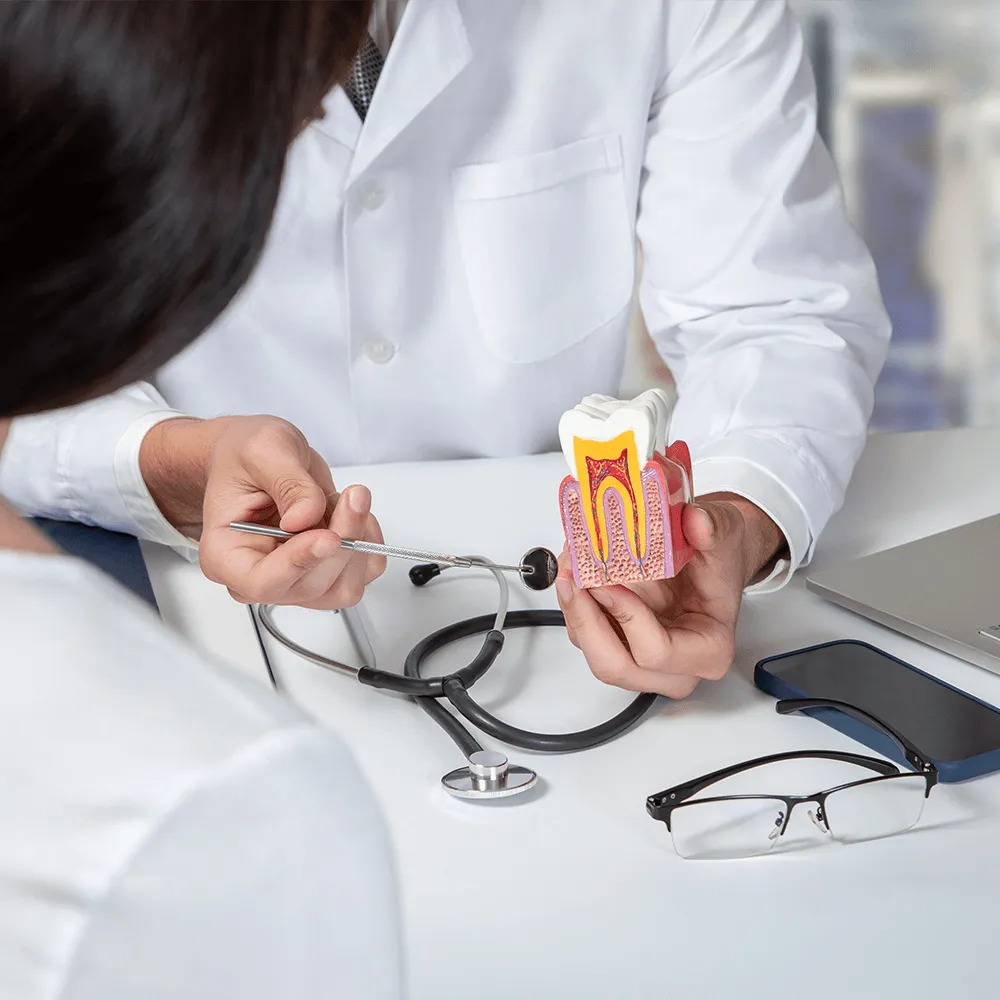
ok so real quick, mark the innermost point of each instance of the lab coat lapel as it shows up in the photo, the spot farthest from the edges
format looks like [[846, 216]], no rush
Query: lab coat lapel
[[340, 121], [430, 49]]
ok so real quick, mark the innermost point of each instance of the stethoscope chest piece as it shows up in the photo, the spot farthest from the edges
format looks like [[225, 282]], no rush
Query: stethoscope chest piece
[[488, 775]]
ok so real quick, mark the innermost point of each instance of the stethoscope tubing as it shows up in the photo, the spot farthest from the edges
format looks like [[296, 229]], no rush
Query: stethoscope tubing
[[455, 689], [428, 692]]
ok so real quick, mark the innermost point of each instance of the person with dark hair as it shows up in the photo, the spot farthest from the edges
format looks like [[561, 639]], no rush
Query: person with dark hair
[[170, 829], [454, 264]]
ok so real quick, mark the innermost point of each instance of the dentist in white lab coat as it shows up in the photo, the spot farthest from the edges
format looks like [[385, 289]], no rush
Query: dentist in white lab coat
[[447, 275]]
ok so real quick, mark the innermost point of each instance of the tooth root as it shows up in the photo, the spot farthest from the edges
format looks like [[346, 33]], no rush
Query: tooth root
[[617, 563]]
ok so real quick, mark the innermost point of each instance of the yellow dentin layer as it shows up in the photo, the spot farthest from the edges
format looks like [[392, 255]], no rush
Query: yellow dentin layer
[[612, 465]]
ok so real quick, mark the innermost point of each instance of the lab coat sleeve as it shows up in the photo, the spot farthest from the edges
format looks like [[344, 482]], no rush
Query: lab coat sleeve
[[272, 878], [81, 463], [756, 289]]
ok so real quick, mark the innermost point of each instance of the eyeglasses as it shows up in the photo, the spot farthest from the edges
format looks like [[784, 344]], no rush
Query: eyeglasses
[[742, 826]]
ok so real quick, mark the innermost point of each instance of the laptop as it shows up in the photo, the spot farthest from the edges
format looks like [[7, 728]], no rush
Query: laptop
[[943, 590]]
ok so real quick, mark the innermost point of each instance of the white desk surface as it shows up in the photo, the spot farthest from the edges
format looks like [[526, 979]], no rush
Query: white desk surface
[[575, 892]]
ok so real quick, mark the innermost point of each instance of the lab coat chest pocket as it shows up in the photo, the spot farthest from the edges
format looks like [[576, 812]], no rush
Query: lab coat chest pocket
[[547, 246]]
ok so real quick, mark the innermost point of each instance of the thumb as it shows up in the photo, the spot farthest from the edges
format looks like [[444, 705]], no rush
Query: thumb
[[709, 524], [301, 501]]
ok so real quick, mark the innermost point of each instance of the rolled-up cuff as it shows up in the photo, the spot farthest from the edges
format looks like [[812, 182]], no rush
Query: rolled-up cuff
[[748, 477]]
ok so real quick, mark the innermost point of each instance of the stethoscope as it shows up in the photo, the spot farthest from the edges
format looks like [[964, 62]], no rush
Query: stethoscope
[[487, 774]]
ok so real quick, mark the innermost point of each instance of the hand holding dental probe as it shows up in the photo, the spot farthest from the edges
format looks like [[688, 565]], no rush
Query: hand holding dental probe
[[537, 569]]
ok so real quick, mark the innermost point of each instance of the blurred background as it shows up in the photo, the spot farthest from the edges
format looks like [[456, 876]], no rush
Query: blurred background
[[910, 108]]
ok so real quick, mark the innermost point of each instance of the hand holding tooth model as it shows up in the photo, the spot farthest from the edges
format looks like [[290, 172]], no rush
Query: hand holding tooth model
[[651, 580]]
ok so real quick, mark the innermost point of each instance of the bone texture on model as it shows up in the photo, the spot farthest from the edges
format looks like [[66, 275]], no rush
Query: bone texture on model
[[621, 504]]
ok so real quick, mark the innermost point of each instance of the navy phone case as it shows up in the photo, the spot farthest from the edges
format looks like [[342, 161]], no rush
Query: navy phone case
[[948, 770]]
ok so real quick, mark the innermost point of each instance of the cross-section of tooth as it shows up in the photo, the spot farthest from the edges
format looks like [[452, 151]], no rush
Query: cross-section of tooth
[[621, 502]]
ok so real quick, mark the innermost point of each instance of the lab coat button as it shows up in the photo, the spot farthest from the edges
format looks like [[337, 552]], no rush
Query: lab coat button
[[371, 196], [379, 350]]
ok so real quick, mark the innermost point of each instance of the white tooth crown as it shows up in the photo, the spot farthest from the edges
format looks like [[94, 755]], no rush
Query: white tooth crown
[[601, 418]]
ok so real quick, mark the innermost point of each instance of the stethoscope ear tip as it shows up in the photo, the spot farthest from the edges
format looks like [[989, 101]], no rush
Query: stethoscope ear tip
[[539, 568]]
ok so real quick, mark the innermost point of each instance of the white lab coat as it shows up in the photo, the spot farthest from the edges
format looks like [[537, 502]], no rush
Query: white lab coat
[[169, 829], [447, 279]]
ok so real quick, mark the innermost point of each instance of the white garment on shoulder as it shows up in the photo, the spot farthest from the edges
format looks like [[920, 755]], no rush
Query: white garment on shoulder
[[168, 828]]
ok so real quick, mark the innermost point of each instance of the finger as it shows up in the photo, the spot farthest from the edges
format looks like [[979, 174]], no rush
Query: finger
[[647, 638], [270, 575], [374, 565], [346, 586], [339, 581], [710, 524], [706, 645], [662, 597], [323, 478], [311, 570], [611, 661], [692, 646], [563, 595], [281, 463], [591, 632]]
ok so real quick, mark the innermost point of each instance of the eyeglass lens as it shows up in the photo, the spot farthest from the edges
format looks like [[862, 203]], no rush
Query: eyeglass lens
[[877, 808], [727, 828], [747, 826]]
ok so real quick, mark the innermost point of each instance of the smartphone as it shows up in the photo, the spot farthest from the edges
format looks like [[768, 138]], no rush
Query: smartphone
[[961, 734]]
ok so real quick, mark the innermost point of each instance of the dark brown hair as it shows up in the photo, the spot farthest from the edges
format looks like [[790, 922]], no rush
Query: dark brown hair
[[142, 146]]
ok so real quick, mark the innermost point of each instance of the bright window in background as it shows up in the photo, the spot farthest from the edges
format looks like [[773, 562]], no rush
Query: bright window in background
[[910, 105]]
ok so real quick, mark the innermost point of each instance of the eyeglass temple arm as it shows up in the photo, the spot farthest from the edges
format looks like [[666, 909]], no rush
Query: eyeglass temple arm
[[917, 760], [656, 804]]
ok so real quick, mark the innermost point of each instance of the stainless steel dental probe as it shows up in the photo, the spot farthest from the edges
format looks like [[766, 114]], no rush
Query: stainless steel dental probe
[[538, 567]]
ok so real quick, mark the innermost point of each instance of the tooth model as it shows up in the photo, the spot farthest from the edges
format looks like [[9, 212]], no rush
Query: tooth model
[[621, 504]]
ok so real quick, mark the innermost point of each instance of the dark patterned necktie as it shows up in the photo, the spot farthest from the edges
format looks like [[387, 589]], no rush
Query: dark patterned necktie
[[360, 85]]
